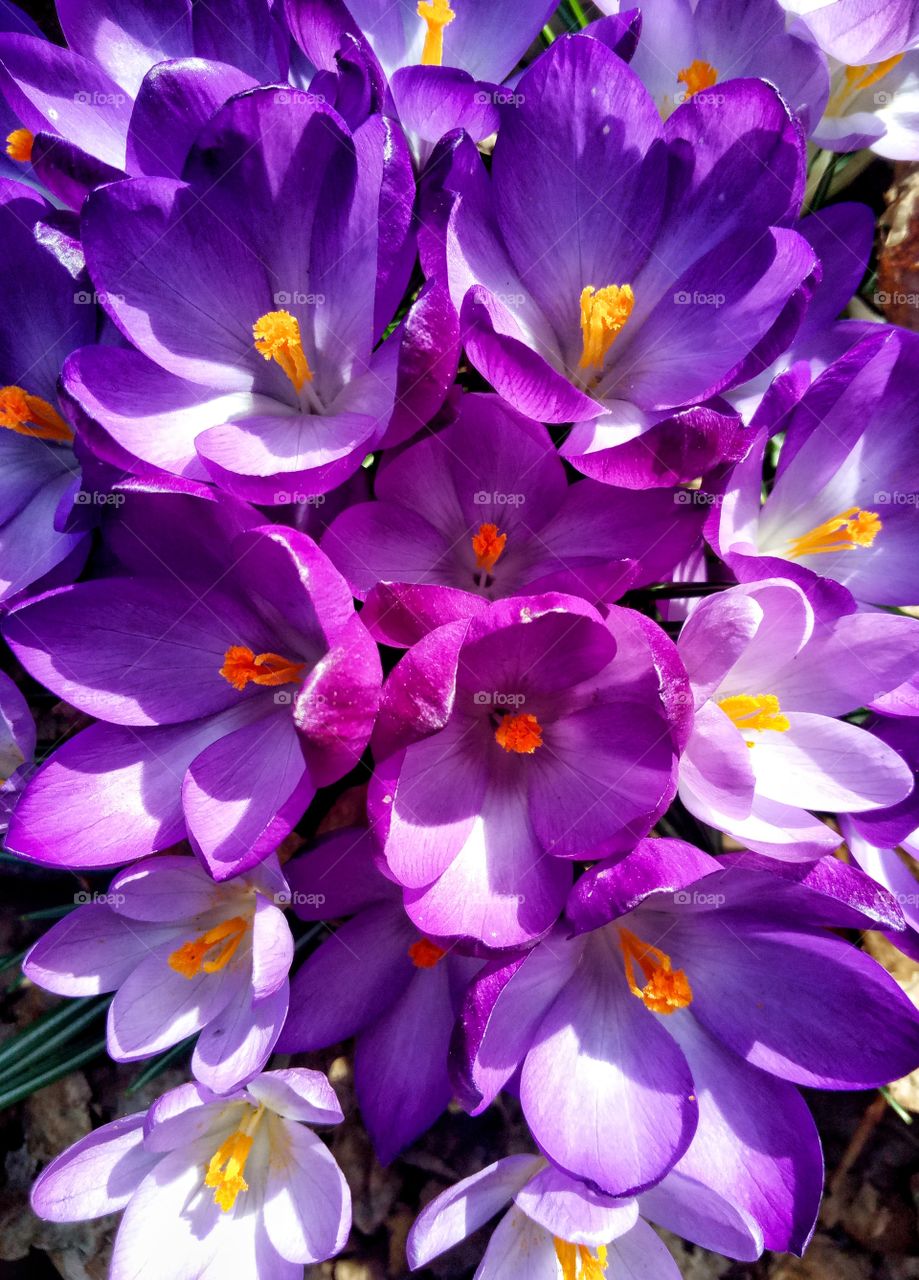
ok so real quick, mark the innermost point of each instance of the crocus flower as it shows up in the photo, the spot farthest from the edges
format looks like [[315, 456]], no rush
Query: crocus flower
[[234, 1185], [483, 510], [873, 105], [132, 88], [691, 47], [229, 685], [769, 679], [668, 1024], [184, 955], [40, 473], [377, 979], [845, 502], [859, 31], [556, 1226], [536, 728], [255, 292], [628, 270]]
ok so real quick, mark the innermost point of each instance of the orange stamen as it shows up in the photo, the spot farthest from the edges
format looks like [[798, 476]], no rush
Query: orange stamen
[[31, 416], [666, 989], [241, 665], [425, 954], [604, 313], [522, 734], [850, 529], [488, 544], [191, 957], [277, 337], [19, 145], [699, 75], [225, 1170], [577, 1260], [437, 14]]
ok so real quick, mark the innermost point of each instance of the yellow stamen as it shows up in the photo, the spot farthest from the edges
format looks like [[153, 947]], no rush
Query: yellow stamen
[[277, 337], [31, 416], [437, 14], [577, 1260], [425, 954], [850, 529], [488, 544], [241, 665], [856, 79], [19, 145], [755, 711], [225, 1171], [190, 957], [604, 313], [522, 734], [666, 989], [697, 76]]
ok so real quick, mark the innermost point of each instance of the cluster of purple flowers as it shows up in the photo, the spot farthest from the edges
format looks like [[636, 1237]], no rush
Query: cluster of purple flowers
[[482, 445]]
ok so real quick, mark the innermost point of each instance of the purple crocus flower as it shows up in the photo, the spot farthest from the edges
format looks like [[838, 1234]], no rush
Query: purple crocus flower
[[255, 292], [229, 685], [845, 502], [631, 270], [483, 510], [536, 728], [691, 47], [769, 679], [208, 1185], [184, 955], [377, 979], [860, 31], [667, 1026], [39, 470], [132, 88], [555, 1224]]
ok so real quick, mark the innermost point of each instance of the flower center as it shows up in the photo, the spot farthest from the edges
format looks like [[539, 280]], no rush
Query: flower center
[[241, 665], [277, 337], [666, 989], [850, 529], [31, 416], [577, 1260], [522, 734], [425, 954], [755, 711], [604, 313], [225, 1171], [211, 950], [19, 145], [436, 14], [856, 79], [697, 76], [488, 545]]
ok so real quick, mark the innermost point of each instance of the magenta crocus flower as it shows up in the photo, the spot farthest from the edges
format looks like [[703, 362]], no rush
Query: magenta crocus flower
[[634, 269], [379, 979], [554, 1224], [234, 1185], [228, 686], [184, 955], [511, 743], [256, 292], [484, 510], [845, 502], [668, 1025], [769, 679]]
